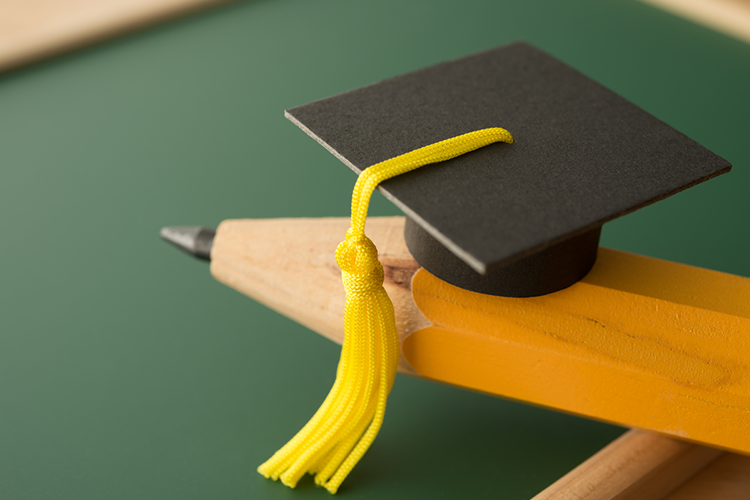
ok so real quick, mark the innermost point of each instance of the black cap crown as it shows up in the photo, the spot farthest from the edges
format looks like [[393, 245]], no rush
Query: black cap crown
[[521, 219]]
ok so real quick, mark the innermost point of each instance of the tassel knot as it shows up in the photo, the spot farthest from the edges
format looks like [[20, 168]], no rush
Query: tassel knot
[[361, 271]]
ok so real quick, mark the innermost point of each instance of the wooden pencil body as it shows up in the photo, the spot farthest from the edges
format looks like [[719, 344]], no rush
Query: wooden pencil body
[[662, 358], [639, 342]]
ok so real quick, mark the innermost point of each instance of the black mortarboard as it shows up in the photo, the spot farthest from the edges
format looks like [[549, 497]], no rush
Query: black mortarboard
[[514, 220]]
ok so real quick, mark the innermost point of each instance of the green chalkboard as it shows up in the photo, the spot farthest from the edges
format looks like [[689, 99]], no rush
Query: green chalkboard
[[127, 372]]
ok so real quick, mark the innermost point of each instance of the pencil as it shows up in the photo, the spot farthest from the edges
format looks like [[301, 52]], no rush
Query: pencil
[[638, 342]]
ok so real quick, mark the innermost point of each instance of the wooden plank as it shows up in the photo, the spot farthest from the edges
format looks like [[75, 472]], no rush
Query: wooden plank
[[726, 479], [728, 16], [34, 29], [636, 466], [645, 466], [639, 342]]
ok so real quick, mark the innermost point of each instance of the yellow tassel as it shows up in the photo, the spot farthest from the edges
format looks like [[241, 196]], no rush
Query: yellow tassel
[[345, 425]]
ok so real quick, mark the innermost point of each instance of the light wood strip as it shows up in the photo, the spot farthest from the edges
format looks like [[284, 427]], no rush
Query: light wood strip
[[726, 479], [34, 29], [636, 466], [728, 16], [645, 466]]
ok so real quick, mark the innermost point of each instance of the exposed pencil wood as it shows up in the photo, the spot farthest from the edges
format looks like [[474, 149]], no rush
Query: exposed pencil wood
[[636, 466], [728, 16], [640, 342], [289, 265], [34, 29]]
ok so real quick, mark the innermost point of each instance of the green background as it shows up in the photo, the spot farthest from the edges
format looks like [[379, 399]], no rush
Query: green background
[[127, 372]]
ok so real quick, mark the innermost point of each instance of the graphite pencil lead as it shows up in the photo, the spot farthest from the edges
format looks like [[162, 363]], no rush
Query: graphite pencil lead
[[195, 240]]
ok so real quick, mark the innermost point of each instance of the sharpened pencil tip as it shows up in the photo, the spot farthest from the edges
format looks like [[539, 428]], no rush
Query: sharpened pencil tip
[[195, 240]]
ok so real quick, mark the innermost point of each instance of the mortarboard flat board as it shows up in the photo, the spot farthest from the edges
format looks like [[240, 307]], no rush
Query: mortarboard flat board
[[515, 220]]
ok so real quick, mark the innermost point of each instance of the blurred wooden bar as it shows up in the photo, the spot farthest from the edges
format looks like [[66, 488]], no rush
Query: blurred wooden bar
[[731, 17], [644, 466], [726, 479], [35, 29], [636, 466]]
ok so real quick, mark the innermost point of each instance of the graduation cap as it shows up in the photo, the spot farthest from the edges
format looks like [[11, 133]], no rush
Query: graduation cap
[[521, 217], [514, 220]]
